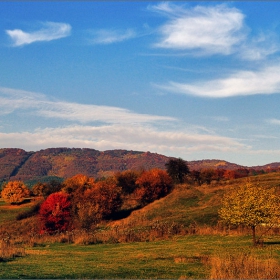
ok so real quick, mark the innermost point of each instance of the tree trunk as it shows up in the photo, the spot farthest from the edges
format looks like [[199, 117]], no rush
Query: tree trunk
[[254, 235]]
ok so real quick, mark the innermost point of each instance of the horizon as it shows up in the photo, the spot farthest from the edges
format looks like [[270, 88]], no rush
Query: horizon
[[189, 79], [204, 159]]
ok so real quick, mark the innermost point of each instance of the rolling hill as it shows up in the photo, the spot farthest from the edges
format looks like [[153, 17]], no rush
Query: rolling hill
[[18, 164]]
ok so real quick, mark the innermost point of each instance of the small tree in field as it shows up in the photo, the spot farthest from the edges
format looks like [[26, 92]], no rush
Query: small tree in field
[[177, 169], [251, 206], [15, 192], [55, 212]]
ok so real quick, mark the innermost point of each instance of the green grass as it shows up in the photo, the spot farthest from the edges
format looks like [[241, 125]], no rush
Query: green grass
[[185, 257], [9, 212]]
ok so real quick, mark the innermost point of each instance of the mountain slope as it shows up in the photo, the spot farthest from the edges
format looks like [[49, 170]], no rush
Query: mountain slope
[[17, 164]]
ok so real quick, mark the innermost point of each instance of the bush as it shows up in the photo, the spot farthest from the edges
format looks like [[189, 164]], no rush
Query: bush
[[153, 184], [55, 213]]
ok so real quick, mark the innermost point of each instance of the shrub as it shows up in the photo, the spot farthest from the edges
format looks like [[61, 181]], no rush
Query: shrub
[[153, 184], [55, 213]]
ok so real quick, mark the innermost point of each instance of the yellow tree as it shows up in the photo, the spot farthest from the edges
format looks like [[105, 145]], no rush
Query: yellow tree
[[15, 192], [251, 206]]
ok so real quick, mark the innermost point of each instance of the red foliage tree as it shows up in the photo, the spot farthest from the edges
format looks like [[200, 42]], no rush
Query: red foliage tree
[[55, 213], [153, 184]]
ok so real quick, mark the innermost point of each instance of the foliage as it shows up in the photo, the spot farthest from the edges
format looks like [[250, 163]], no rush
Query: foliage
[[55, 212], [47, 188], [127, 180], [97, 202], [251, 205], [153, 184], [15, 192], [76, 182], [177, 169]]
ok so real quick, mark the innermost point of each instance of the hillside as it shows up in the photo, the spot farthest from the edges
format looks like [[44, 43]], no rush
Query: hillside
[[17, 164]]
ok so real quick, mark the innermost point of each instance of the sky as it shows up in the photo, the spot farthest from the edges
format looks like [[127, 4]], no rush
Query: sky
[[189, 79]]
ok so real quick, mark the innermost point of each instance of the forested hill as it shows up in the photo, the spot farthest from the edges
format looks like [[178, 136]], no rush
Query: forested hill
[[17, 164]]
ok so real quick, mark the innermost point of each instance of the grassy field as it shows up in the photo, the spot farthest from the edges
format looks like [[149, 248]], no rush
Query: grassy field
[[196, 256], [179, 258]]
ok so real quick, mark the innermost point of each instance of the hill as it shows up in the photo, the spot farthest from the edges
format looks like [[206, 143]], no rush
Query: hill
[[17, 164]]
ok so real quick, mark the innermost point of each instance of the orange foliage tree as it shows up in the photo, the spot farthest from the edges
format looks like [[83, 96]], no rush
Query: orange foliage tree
[[153, 184], [55, 213], [97, 202], [76, 182], [15, 192]]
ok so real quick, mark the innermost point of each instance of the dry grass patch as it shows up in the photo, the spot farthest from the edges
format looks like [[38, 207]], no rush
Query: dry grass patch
[[244, 265]]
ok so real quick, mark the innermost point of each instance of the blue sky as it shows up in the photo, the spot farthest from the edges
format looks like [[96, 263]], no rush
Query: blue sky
[[196, 80]]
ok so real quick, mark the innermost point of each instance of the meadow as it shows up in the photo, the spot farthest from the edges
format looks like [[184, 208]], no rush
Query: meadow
[[193, 256], [200, 248]]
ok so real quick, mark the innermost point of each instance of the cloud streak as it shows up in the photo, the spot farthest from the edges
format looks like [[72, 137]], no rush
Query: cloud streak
[[119, 136], [50, 31], [106, 37], [241, 83], [38, 104], [210, 30]]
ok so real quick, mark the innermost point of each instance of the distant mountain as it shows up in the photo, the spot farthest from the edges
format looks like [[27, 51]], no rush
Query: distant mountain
[[17, 164]]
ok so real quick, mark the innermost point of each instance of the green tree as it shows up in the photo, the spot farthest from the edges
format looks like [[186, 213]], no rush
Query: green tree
[[177, 169], [15, 192], [251, 206]]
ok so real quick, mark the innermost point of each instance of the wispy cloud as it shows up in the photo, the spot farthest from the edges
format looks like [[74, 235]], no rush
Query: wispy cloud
[[210, 30], [110, 36], [50, 31], [40, 105], [104, 127], [274, 121], [262, 81], [120, 136]]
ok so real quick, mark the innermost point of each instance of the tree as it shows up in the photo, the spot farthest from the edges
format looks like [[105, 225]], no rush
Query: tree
[[177, 170], [45, 189], [153, 184], [76, 182], [127, 180], [15, 192], [97, 203], [251, 206], [55, 212]]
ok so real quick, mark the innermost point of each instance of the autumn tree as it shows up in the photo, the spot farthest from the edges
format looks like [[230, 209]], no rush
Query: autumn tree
[[177, 170], [45, 189], [97, 202], [76, 182], [153, 184], [15, 192], [55, 213], [251, 206], [127, 180]]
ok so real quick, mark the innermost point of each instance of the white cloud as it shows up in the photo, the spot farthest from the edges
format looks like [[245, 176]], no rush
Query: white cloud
[[40, 105], [211, 30], [120, 136], [208, 30], [274, 121], [263, 81], [106, 37], [50, 31]]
